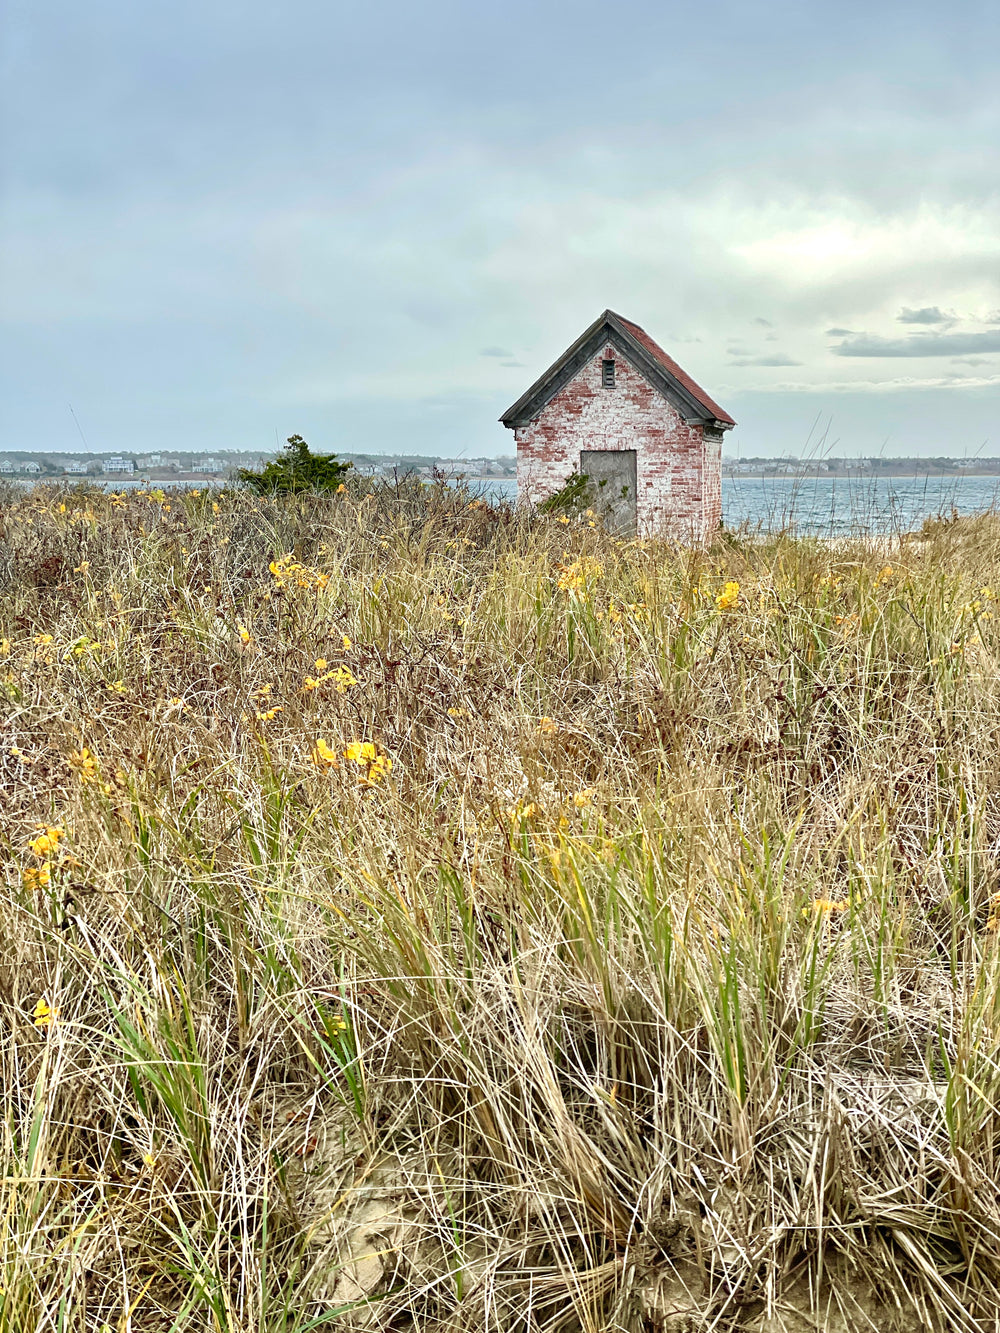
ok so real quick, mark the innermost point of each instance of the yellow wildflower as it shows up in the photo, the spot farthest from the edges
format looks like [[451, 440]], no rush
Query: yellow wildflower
[[286, 570], [729, 596], [824, 906], [45, 842], [347, 645], [85, 763], [547, 727], [519, 811], [578, 573], [322, 756], [37, 877], [376, 766], [582, 798], [321, 664], [44, 1015], [343, 679], [360, 752], [244, 634]]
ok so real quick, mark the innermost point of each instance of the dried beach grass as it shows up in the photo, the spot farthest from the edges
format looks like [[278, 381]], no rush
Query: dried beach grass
[[419, 917]]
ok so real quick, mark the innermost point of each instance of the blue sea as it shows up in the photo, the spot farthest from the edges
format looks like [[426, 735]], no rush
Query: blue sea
[[835, 506], [811, 506]]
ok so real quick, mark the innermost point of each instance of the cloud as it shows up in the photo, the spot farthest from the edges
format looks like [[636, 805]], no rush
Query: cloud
[[900, 384], [775, 359], [928, 314], [921, 344], [841, 333], [495, 351], [764, 323], [519, 364], [970, 361]]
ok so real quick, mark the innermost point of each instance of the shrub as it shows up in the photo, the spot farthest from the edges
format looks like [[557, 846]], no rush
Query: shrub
[[298, 470], [574, 495]]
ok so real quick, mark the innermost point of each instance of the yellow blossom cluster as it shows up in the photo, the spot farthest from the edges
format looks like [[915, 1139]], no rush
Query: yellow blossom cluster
[[42, 847], [729, 597], [341, 676], [287, 570], [368, 764], [44, 1015], [577, 575], [827, 906], [86, 764]]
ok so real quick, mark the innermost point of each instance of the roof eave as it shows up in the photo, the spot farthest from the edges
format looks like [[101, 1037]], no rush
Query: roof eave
[[536, 398], [509, 418]]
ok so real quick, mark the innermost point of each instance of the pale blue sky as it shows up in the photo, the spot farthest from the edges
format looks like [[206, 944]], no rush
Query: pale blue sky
[[375, 225]]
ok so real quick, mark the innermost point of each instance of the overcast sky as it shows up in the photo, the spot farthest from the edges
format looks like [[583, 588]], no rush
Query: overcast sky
[[374, 225]]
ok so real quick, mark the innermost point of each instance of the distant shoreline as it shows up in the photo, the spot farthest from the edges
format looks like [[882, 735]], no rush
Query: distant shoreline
[[861, 474]]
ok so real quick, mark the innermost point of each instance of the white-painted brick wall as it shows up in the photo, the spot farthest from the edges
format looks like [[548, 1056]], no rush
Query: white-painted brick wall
[[678, 472]]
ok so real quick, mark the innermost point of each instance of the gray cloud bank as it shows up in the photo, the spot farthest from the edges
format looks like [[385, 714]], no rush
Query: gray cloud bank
[[924, 344], [224, 223], [928, 314]]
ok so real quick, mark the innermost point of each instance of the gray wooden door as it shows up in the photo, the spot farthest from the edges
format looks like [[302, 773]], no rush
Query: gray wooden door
[[612, 481]]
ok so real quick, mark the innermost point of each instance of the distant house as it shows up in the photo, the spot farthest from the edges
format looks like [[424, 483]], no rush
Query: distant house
[[617, 409], [6, 467], [151, 460], [76, 469], [118, 465], [208, 465], [31, 467]]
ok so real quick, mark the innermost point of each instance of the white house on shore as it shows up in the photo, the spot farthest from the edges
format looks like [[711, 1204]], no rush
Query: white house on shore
[[118, 465]]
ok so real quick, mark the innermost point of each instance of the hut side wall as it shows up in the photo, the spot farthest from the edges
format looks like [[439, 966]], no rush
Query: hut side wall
[[676, 495]]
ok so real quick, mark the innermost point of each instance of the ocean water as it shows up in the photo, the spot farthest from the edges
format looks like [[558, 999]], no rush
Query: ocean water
[[812, 506], [834, 506]]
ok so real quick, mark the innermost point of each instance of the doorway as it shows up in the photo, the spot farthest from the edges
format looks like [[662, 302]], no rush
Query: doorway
[[611, 473]]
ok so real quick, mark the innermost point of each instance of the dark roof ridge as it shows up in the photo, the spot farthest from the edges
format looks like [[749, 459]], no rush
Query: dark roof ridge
[[645, 349], [670, 365]]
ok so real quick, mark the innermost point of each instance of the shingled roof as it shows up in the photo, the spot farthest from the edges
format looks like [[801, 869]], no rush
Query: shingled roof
[[637, 346]]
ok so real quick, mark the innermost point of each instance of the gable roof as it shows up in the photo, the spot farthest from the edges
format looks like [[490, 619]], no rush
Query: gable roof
[[647, 356]]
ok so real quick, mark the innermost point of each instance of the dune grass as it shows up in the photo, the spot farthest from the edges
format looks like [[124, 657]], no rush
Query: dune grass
[[416, 917]]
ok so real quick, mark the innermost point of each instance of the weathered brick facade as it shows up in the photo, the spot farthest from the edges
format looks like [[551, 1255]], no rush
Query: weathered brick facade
[[652, 407]]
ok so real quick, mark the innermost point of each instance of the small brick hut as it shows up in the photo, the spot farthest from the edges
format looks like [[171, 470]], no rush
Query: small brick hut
[[616, 408]]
